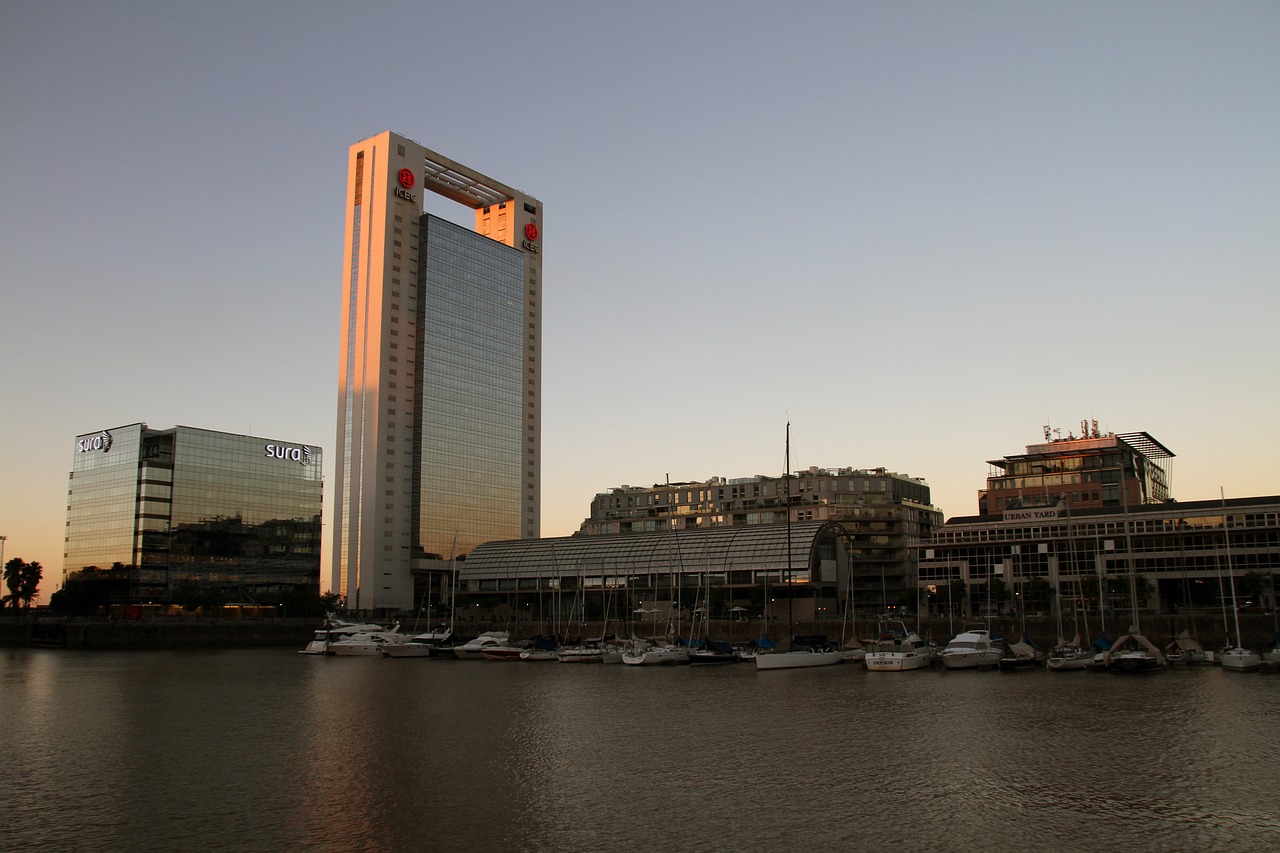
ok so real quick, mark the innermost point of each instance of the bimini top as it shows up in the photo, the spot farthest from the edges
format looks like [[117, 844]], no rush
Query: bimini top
[[720, 549]]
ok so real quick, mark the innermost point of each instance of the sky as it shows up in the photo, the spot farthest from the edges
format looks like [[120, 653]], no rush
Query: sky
[[919, 232]]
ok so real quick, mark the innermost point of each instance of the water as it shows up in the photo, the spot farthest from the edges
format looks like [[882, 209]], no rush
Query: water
[[271, 750]]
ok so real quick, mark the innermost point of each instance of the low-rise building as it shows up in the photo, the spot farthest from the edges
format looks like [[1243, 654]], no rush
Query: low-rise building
[[149, 510]]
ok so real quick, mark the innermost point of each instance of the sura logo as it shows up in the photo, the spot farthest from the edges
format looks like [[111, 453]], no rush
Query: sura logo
[[301, 455], [101, 441]]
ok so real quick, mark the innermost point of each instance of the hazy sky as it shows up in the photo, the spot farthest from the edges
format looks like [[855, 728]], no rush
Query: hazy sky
[[918, 231]]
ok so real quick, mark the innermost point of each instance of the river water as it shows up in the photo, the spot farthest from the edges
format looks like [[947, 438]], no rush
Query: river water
[[265, 749]]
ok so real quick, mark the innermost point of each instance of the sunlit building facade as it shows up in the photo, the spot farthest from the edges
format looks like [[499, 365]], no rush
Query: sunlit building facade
[[193, 506], [1089, 471], [1092, 519], [439, 382], [881, 513]]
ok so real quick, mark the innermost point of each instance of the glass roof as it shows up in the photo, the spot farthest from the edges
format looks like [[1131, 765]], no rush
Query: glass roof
[[721, 549]]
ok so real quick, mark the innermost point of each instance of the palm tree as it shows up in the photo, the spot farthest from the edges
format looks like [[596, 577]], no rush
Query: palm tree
[[23, 580]]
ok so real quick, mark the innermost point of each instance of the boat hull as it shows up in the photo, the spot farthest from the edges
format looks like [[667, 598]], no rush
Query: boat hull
[[658, 656], [1239, 660], [408, 650], [1133, 662], [896, 661], [970, 659], [797, 660]]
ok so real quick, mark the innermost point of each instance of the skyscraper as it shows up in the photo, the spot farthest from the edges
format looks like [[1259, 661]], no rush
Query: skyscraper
[[439, 382]]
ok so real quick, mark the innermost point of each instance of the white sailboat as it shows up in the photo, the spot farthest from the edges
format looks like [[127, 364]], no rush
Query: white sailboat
[[1132, 652], [795, 656], [1235, 656]]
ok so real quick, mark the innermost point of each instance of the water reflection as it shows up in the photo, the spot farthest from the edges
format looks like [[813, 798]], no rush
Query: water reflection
[[268, 750]]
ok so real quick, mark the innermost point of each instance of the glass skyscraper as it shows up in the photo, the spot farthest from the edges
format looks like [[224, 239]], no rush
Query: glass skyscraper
[[187, 505], [439, 381]]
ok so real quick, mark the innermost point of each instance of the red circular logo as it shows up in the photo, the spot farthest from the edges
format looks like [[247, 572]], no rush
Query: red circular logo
[[406, 178], [531, 231]]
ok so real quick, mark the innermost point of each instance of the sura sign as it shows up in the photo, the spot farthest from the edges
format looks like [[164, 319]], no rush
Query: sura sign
[[302, 455], [101, 441]]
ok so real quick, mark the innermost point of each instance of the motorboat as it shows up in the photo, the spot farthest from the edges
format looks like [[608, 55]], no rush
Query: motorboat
[[972, 649], [897, 649], [368, 644], [335, 630], [424, 645], [474, 648]]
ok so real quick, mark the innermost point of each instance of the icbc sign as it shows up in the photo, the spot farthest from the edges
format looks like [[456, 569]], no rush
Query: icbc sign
[[531, 231], [406, 178]]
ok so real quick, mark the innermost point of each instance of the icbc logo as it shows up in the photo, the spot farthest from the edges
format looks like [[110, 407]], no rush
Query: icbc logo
[[406, 178], [531, 231]]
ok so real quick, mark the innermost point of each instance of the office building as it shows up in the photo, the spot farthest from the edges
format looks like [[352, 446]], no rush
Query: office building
[[848, 540], [439, 381], [1088, 471], [150, 509], [880, 513], [1089, 522]]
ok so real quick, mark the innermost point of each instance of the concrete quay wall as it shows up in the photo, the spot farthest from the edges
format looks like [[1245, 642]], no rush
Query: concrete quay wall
[[154, 633]]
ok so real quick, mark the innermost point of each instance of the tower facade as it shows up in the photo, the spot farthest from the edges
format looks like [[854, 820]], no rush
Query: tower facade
[[439, 378]]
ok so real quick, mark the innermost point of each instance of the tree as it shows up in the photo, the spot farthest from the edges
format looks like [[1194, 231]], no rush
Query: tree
[[23, 580]]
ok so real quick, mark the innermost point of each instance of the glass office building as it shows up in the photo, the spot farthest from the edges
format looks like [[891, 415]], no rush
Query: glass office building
[[187, 505], [439, 380]]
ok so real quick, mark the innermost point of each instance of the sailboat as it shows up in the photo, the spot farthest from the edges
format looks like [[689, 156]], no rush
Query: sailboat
[[800, 653], [1132, 652], [1235, 657], [1071, 656]]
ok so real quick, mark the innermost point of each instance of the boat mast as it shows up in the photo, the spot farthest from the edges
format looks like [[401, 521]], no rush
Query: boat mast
[[1231, 575], [786, 483], [1128, 558]]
